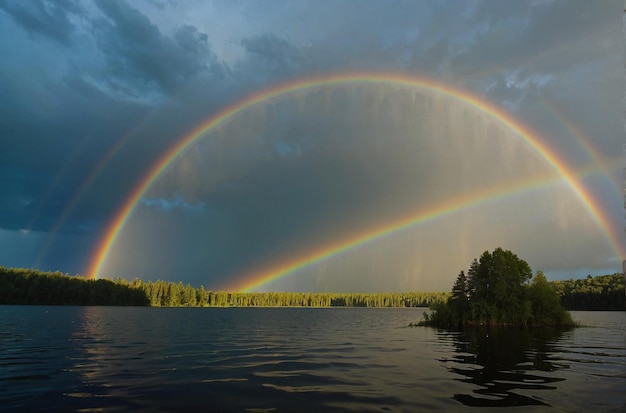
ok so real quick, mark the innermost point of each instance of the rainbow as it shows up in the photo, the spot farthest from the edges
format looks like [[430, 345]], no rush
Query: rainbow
[[251, 282], [583, 140], [84, 186], [419, 83]]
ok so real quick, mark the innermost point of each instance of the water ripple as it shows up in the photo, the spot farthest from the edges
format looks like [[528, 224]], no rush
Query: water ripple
[[264, 360]]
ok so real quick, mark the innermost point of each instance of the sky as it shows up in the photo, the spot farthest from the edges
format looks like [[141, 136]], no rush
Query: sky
[[450, 128]]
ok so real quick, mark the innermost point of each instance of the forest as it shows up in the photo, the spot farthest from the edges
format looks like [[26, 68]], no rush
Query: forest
[[603, 292], [27, 286], [24, 286], [499, 290]]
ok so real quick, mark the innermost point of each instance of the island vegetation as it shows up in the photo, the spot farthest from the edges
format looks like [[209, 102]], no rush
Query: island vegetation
[[498, 290], [27, 286]]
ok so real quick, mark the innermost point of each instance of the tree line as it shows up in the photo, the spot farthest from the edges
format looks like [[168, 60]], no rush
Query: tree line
[[603, 292], [169, 294], [26, 286]]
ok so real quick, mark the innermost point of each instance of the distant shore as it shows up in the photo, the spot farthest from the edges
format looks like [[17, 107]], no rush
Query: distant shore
[[27, 286]]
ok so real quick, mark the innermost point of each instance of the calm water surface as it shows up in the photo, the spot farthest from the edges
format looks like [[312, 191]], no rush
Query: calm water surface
[[109, 359]]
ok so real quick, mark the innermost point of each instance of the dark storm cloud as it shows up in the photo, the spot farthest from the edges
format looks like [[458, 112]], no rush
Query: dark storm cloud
[[83, 77], [46, 19], [273, 56], [139, 57], [79, 121], [48, 158]]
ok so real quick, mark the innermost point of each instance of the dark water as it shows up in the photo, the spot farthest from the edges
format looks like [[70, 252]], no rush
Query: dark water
[[108, 359]]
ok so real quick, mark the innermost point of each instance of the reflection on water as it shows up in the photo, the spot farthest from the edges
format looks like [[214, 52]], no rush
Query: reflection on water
[[111, 359], [502, 361]]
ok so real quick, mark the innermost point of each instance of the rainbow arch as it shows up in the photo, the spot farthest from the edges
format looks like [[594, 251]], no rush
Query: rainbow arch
[[254, 280], [582, 139], [416, 82]]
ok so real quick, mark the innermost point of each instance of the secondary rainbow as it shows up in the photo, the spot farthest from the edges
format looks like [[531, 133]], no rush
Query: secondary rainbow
[[583, 140], [85, 185], [416, 82]]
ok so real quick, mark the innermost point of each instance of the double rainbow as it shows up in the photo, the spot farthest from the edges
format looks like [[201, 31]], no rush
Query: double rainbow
[[418, 83]]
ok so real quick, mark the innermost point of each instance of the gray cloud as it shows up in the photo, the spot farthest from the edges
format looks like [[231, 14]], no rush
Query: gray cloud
[[139, 56], [96, 92], [46, 19], [272, 56]]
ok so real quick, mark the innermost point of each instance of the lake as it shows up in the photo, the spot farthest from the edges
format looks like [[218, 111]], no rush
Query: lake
[[127, 359]]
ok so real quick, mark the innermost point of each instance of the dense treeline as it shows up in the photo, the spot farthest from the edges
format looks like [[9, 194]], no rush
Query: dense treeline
[[603, 292], [25, 286], [22, 286], [169, 294], [498, 290]]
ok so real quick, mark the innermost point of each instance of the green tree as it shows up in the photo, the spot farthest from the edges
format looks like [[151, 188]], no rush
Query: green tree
[[497, 292], [459, 300], [545, 303]]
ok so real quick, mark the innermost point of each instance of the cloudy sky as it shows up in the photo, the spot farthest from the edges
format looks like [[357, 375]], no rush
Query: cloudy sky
[[94, 93]]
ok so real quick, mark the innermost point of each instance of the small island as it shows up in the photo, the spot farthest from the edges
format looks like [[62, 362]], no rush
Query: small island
[[499, 290]]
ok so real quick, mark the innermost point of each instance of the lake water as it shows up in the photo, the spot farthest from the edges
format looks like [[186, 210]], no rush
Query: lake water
[[112, 359]]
